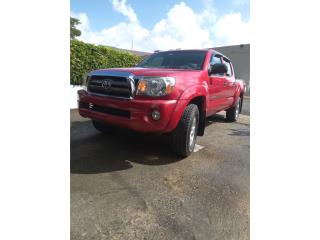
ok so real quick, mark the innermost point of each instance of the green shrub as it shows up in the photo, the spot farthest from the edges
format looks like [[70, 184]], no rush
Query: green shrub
[[85, 57]]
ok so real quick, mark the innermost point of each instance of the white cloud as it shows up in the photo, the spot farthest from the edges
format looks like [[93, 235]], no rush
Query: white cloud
[[121, 7], [240, 2], [120, 35], [231, 29], [84, 25], [181, 28]]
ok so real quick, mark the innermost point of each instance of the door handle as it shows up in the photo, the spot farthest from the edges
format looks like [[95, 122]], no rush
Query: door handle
[[225, 83]]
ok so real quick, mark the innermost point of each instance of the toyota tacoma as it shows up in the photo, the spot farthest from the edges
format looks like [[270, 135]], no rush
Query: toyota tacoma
[[170, 92]]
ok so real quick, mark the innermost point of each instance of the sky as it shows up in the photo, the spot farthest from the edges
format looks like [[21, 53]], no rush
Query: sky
[[149, 25]]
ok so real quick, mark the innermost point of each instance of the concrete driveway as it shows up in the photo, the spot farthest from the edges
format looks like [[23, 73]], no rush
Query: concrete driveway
[[131, 186]]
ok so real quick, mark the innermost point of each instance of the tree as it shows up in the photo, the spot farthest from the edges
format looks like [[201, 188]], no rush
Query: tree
[[74, 32]]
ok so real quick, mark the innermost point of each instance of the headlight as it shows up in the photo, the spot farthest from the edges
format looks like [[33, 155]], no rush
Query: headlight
[[155, 86]]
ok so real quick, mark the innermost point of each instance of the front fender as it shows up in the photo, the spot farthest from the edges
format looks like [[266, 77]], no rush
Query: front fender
[[185, 98], [195, 91]]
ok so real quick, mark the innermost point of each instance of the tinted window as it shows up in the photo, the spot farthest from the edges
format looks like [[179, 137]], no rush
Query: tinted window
[[216, 59], [175, 59], [156, 62]]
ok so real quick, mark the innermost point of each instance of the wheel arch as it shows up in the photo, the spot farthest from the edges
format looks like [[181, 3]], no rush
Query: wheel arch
[[200, 101], [195, 95]]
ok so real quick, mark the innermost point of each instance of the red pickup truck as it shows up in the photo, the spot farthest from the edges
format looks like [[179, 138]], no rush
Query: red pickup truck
[[169, 92]]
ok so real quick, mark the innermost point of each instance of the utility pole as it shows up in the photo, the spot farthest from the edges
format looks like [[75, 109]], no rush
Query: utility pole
[[131, 44]]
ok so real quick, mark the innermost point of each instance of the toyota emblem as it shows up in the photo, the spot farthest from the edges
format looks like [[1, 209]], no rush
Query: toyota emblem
[[106, 84]]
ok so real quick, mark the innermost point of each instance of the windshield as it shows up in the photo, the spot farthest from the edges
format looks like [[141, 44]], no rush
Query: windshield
[[175, 59]]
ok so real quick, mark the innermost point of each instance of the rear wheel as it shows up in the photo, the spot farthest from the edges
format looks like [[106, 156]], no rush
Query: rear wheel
[[183, 138], [102, 127], [232, 114]]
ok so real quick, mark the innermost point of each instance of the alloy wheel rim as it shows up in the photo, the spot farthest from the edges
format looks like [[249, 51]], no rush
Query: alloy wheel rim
[[237, 110], [192, 133]]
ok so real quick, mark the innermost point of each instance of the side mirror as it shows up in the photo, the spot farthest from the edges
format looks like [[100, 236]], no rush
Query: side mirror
[[218, 68]]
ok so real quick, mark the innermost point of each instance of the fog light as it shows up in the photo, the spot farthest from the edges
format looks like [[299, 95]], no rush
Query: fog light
[[155, 115]]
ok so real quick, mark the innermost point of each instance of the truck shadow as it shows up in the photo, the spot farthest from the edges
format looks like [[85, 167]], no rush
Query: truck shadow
[[216, 118], [94, 152]]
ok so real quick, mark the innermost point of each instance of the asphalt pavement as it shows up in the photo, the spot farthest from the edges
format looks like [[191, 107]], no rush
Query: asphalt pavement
[[131, 186], [246, 106]]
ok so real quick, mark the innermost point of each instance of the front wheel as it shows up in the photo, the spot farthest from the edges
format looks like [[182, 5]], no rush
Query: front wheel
[[183, 138], [232, 114]]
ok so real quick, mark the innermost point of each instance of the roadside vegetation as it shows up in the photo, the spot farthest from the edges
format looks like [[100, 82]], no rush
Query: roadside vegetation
[[85, 57]]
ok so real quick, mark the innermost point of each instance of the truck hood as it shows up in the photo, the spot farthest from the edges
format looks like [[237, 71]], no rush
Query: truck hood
[[137, 71]]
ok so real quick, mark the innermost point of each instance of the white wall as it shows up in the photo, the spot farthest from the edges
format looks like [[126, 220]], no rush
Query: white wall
[[73, 101]]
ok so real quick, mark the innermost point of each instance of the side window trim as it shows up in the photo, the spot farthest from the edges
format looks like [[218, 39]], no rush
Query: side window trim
[[231, 68]]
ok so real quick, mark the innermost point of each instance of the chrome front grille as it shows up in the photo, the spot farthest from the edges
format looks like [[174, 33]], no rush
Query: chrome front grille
[[120, 86], [110, 86]]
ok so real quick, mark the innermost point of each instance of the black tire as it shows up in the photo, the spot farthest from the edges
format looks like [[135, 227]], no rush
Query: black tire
[[102, 127], [233, 113], [181, 136]]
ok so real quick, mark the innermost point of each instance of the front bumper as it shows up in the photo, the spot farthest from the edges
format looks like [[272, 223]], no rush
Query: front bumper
[[127, 113]]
